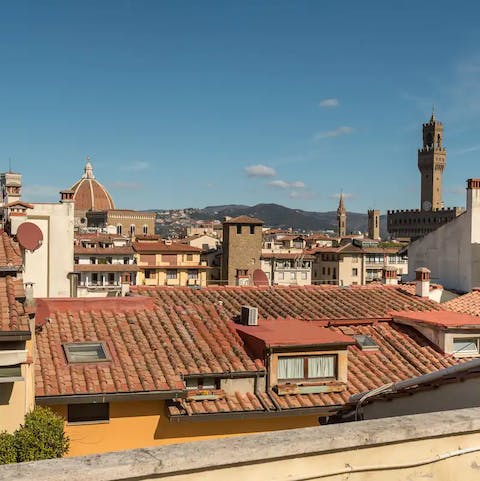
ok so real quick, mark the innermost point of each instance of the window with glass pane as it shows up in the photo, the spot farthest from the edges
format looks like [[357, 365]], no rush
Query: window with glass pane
[[465, 346], [171, 273], [192, 273], [321, 366], [290, 368], [85, 352]]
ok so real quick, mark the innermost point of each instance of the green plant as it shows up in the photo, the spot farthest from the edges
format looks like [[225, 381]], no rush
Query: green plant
[[41, 437], [8, 453]]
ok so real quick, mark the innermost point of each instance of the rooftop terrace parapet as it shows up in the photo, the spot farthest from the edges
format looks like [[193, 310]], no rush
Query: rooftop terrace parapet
[[433, 448]]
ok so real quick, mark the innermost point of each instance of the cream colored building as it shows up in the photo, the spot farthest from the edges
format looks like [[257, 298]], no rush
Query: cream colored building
[[104, 265], [358, 262], [49, 266], [166, 263]]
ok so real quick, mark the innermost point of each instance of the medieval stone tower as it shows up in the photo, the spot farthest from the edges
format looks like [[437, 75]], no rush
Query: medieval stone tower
[[374, 224], [242, 249], [432, 158], [342, 217]]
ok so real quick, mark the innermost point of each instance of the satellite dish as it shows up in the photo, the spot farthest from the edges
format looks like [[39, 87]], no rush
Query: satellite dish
[[29, 236], [260, 278]]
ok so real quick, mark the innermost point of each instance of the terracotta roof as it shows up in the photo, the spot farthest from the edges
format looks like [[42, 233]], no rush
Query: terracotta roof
[[151, 346], [243, 219], [287, 255], [13, 317], [234, 403], [291, 332], [445, 319], [106, 251], [402, 353], [173, 266], [10, 254], [303, 302], [468, 303], [99, 236], [159, 247], [105, 268]]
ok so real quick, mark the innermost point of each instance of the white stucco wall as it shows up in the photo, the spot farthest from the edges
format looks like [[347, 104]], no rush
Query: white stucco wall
[[452, 252], [48, 267]]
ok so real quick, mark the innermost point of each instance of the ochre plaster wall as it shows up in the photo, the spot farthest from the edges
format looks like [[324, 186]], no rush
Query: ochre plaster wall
[[145, 423]]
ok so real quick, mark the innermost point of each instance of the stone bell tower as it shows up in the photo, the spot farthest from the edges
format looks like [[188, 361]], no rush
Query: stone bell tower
[[432, 158], [342, 217]]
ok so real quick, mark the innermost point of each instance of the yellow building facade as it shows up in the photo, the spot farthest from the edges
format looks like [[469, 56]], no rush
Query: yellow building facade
[[163, 263]]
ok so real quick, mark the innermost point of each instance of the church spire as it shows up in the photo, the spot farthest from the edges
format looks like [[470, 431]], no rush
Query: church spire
[[88, 170], [342, 217], [432, 118]]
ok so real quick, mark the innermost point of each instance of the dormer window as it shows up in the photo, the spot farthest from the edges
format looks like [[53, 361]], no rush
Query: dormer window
[[293, 368], [199, 383], [85, 352]]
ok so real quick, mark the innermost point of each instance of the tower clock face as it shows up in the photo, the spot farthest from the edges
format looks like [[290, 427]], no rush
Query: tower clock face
[[427, 205]]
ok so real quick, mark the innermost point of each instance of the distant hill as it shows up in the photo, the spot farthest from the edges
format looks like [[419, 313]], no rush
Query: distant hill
[[278, 216]]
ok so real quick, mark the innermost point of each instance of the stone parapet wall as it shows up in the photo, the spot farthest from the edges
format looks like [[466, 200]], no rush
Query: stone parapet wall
[[441, 446]]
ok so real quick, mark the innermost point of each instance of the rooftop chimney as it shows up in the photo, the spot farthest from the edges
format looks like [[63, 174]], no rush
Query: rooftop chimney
[[389, 276], [29, 302], [66, 195], [125, 286], [473, 208], [422, 282]]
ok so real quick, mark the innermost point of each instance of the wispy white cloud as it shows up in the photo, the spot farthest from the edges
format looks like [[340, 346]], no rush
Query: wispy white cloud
[[125, 185], [39, 193], [301, 194], [344, 130], [329, 103], [136, 166], [260, 170], [282, 184], [466, 150]]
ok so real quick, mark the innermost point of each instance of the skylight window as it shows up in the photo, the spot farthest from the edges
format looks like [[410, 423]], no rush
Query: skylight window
[[366, 343], [85, 352]]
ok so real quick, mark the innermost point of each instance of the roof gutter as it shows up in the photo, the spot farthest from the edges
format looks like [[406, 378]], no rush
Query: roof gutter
[[15, 336], [324, 410], [110, 397]]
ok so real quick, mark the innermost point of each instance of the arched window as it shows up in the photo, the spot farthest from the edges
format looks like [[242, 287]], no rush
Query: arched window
[[132, 229], [119, 229], [145, 229]]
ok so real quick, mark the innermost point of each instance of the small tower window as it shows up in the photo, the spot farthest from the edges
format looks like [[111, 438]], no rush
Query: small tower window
[[119, 229], [252, 229], [145, 229], [132, 229]]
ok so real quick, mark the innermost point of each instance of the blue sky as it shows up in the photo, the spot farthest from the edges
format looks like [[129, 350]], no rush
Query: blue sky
[[198, 103]]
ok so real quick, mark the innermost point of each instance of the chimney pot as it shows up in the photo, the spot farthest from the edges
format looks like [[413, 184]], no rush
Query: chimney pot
[[422, 283]]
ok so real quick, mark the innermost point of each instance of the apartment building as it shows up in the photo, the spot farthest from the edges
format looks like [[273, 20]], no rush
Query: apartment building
[[357, 262], [102, 264], [166, 263]]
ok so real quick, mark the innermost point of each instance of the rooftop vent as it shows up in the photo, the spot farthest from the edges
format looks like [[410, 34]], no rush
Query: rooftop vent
[[249, 316]]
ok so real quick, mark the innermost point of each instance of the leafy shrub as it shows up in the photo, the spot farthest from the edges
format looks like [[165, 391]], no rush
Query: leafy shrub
[[41, 437], [8, 453]]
